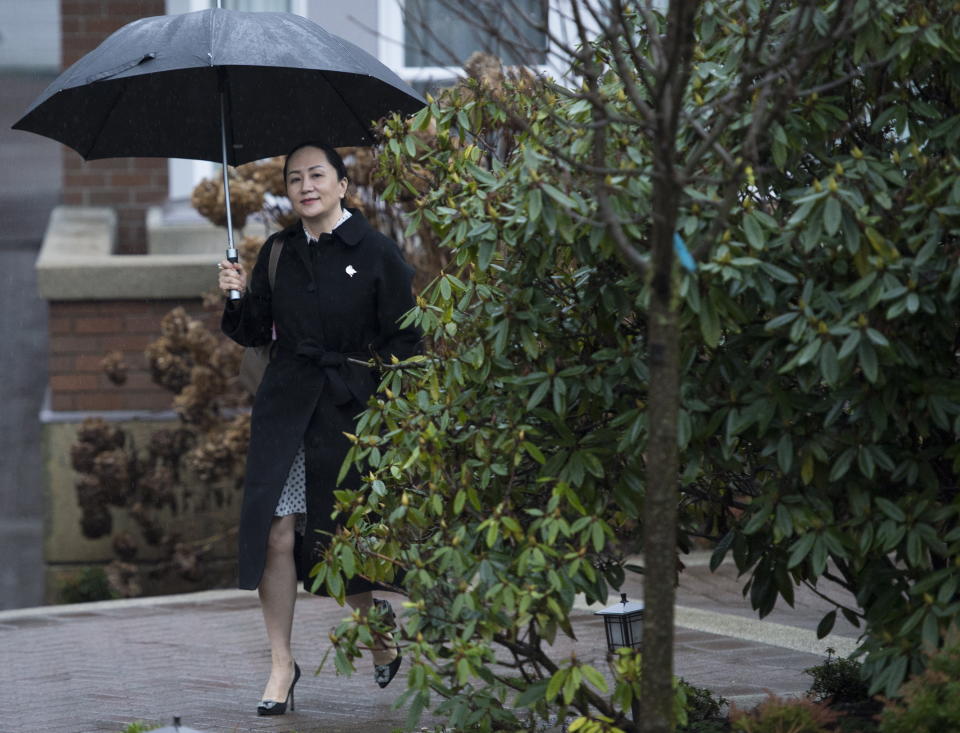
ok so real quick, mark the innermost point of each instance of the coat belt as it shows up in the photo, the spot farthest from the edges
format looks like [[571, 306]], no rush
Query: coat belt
[[333, 364]]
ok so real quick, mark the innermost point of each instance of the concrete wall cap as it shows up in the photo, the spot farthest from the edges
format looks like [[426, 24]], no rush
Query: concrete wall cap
[[76, 262]]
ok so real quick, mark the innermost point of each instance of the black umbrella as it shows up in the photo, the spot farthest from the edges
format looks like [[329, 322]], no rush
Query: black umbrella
[[219, 85]]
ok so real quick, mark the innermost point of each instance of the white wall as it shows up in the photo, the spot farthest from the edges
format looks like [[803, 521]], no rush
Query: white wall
[[30, 34]]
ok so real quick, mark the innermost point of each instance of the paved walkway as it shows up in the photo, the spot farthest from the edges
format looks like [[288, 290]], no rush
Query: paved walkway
[[203, 656], [29, 189]]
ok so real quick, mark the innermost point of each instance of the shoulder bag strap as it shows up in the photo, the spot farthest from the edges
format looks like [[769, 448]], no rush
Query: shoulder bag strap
[[275, 251]]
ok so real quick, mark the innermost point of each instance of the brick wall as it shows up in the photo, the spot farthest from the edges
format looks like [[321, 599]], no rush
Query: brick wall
[[130, 185], [83, 332]]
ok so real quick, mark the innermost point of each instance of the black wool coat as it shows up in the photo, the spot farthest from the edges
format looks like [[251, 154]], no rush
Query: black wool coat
[[341, 297]]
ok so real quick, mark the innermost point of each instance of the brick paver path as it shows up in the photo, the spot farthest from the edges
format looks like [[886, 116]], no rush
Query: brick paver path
[[204, 657]]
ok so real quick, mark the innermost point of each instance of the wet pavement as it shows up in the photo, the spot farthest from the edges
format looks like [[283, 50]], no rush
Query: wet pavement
[[204, 657], [30, 170]]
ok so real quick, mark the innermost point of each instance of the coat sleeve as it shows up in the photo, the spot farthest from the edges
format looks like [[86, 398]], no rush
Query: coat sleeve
[[249, 321], [394, 299]]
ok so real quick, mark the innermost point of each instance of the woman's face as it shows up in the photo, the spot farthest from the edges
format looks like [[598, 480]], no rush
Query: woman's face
[[312, 185]]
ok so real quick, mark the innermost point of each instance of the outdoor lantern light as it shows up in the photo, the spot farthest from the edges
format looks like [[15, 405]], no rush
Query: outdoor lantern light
[[623, 623]]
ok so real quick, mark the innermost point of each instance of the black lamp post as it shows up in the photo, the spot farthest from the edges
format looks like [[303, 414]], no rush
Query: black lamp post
[[623, 623]]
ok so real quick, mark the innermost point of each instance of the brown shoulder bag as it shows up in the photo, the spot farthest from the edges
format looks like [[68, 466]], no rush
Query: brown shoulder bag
[[255, 358]]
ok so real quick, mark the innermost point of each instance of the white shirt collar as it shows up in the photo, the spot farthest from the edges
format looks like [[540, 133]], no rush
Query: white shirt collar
[[343, 217]]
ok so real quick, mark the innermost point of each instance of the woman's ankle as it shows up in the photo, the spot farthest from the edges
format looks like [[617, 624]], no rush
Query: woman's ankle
[[282, 661]]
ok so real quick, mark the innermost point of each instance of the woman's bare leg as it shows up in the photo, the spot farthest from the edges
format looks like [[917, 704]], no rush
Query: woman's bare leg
[[363, 602], [278, 593]]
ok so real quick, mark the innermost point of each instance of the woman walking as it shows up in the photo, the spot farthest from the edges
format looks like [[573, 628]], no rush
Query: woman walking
[[340, 288]]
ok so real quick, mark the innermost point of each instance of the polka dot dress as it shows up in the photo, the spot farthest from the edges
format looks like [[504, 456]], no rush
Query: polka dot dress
[[293, 498]]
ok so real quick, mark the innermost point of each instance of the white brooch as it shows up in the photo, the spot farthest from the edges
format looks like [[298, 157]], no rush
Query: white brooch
[[350, 271]]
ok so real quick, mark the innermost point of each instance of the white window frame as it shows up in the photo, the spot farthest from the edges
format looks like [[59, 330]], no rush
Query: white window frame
[[183, 175], [391, 43]]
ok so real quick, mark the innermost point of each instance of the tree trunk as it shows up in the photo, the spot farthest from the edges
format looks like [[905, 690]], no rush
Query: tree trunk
[[660, 503]]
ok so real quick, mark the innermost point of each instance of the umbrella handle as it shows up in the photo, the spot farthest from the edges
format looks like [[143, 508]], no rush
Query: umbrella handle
[[232, 257]]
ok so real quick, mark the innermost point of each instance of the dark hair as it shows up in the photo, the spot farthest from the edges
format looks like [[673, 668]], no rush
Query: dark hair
[[332, 156]]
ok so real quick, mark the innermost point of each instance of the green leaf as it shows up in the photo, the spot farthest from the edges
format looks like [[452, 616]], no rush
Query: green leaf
[[785, 452], [829, 363], [782, 320], [534, 204], [826, 624], [753, 231], [832, 214], [868, 361], [534, 693], [800, 549], [558, 196], [890, 509], [556, 683], [842, 464], [720, 551], [534, 452], [850, 345], [808, 352], [594, 677], [778, 273], [463, 671], [709, 323]]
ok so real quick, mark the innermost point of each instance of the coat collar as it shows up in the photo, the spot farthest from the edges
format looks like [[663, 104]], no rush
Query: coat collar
[[350, 232]]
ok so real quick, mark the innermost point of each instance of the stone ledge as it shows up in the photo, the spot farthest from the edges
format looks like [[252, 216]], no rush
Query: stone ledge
[[77, 262], [175, 228]]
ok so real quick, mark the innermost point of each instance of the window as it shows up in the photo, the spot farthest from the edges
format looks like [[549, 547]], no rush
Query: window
[[446, 33], [427, 41]]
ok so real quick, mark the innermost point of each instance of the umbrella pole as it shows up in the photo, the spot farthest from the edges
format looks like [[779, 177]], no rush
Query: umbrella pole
[[231, 249]]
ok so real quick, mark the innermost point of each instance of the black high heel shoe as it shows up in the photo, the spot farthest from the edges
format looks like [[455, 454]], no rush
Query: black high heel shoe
[[273, 707], [383, 674]]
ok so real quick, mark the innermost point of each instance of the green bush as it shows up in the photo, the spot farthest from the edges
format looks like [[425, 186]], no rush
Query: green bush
[[138, 726], [838, 680], [90, 584], [507, 470], [778, 715], [704, 711], [928, 702]]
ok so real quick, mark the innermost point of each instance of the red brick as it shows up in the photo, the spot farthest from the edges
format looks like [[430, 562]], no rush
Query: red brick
[[63, 402], [149, 196], [98, 325], [70, 24], [104, 25], [125, 178], [105, 196], [73, 382], [81, 7], [88, 363], [156, 400], [62, 325], [61, 364], [81, 179], [148, 323], [142, 382], [75, 308], [74, 344], [125, 342], [102, 400]]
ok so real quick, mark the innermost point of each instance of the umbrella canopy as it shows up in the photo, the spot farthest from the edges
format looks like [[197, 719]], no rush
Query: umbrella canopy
[[155, 88]]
